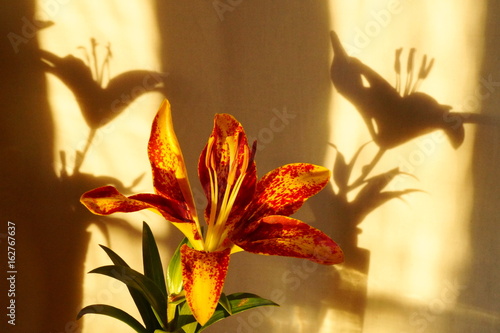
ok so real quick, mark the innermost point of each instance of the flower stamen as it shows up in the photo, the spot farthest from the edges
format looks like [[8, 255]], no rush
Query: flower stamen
[[214, 192], [236, 175]]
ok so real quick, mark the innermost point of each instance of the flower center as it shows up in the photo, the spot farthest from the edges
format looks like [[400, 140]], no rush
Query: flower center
[[222, 203]]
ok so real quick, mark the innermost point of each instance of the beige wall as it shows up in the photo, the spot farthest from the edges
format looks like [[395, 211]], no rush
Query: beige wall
[[432, 265]]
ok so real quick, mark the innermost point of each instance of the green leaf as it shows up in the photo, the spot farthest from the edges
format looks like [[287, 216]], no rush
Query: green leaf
[[239, 302], [113, 312], [174, 271], [140, 301], [245, 301], [139, 282], [115, 258], [153, 268], [192, 327], [224, 302], [172, 309], [185, 319]]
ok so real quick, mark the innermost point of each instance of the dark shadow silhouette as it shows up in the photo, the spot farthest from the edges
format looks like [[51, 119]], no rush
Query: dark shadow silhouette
[[100, 104], [27, 179], [396, 115], [481, 295], [393, 116], [43, 203]]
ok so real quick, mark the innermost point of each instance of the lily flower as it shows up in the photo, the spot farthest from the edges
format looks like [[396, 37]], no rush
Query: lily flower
[[393, 115], [242, 213]]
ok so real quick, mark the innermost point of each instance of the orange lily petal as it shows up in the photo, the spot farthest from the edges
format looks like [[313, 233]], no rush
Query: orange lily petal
[[228, 175], [223, 160], [204, 274], [170, 178], [285, 236], [107, 200], [282, 191]]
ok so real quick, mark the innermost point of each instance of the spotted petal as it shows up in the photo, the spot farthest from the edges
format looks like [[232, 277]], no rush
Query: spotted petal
[[170, 177], [107, 200], [203, 274], [282, 191], [225, 159], [285, 236]]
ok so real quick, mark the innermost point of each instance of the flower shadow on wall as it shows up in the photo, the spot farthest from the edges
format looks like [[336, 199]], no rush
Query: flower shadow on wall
[[393, 116], [99, 106], [52, 227], [101, 98]]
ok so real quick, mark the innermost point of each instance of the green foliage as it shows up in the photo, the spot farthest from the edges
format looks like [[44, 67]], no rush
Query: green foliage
[[140, 282], [153, 268], [140, 301], [161, 301], [174, 271], [230, 305], [113, 312]]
